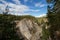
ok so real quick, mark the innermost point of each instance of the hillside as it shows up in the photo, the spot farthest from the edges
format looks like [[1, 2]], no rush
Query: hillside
[[21, 27], [8, 24], [42, 20]]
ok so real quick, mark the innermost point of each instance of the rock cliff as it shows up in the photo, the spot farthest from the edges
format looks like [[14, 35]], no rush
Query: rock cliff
[[28, 29]]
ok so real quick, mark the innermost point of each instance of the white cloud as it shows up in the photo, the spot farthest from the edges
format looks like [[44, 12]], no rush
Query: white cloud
[[16, 1], [3, 1], [2, 7], [39, 5], [17, 9], [35, 10], [14, 8], [32, 10], [42, 15], [25, 0]]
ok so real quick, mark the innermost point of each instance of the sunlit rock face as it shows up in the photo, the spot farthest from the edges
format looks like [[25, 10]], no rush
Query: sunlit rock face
[[29, 29]]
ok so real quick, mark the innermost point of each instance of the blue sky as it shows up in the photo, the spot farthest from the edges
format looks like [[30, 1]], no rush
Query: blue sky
[[35, 8]]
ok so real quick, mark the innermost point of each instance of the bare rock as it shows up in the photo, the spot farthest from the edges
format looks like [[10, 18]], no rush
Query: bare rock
[[29, 29]]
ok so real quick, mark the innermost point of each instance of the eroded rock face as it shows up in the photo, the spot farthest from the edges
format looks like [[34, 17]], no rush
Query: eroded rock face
[[29, 29]]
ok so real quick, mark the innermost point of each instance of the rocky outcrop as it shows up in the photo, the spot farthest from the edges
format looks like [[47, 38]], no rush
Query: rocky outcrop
[[28, 29]]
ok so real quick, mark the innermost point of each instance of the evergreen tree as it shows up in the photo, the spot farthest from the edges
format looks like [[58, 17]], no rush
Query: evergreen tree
[[7, 29], [53, 17]]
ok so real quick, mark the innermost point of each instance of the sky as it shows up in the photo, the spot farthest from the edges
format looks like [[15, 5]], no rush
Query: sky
[[35, 8]]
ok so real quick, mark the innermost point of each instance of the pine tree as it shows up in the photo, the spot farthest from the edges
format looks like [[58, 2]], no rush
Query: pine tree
[[53, 18], [5, 12], [7, 29]]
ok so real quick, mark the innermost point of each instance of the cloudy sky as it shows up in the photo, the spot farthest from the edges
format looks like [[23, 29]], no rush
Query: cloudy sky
[[35, 8]]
